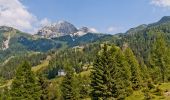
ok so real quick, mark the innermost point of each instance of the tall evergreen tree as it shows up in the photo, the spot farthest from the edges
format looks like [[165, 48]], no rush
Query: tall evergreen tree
[[110, 75], [121, 76], [44, 85], [84, 82], [102, 82], [24, 85], [144, 72], [159, 59], [135, 78], [68, 87]]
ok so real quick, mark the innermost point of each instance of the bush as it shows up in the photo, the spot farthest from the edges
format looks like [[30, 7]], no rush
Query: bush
[[148, 96], [159, 84], [166, 90], [159, 91], [151, 86], [145, 90], [129, 91], [168, 79]]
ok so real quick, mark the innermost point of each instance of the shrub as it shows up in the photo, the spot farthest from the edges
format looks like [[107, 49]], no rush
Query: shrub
[[159, 91], [150, 85], [148, 96]]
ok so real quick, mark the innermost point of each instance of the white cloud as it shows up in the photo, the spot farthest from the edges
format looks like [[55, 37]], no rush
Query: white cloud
[[93, 30], [45, 22], [161, 3], [13, 13], [113, 29]]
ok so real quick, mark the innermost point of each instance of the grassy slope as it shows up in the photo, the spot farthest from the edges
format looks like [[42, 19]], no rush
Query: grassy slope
[[139, 95], [35, 69], [41, 66]]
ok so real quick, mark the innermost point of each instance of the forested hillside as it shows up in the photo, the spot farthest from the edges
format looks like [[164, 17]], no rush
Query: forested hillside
[[132, 66]]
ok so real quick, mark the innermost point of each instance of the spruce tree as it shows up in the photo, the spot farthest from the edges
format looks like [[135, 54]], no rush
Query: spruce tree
[[102, 82], [110, 76], [144, 72], [84, 82], [44, 85], [121, 76], [68, 87], [135, 78], [24, 85], [159, 59]]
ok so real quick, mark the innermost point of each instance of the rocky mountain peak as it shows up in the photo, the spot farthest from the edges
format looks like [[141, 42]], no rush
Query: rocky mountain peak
[[60, 28], [6, 28]]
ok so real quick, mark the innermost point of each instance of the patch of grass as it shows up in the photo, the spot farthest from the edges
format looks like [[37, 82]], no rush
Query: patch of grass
[[165, 86], [85, 73], [7, 84], [137, 95], [41, 66]]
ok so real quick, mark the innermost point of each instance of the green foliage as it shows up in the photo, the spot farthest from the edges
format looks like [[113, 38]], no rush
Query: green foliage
[[8, 68], [84, 86], [25, 85], [122, 75], [44, 85], [150, 85], [80, 58], [69, 90], [148, 96], [5, 94], [159, 59], [110, 75], [114, 72], [136, 79], [159, 91]]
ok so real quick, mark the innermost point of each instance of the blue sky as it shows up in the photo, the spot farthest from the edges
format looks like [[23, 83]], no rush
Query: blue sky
[[108, 16]]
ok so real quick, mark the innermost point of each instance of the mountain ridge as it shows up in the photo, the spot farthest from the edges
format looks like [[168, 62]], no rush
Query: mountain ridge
[[62, 28], [14, 42]]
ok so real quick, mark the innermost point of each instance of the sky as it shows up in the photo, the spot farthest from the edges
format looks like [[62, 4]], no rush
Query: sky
[[106, 16]]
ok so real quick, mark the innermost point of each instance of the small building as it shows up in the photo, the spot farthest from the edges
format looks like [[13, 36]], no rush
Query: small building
[[61, 72]]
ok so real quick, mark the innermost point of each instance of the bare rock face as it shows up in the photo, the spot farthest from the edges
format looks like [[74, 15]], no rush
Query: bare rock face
[[61, 28], [5, 43], [6, 28]]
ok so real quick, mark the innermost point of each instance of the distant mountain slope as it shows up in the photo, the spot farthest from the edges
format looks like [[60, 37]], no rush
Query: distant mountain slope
[[141, 38], [15, 43], [58, 29], [63, 28], [79, 40]]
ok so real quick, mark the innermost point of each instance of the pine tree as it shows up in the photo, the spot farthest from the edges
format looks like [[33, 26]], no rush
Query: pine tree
[[110, 76], [135, 78], [159, 59], [102, 82], [68, 87], [44, 84], [121, 76], [144, 72], [24, 85], [83, 84]]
